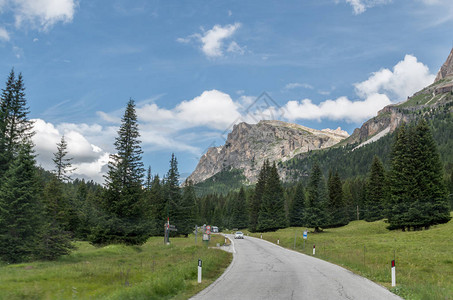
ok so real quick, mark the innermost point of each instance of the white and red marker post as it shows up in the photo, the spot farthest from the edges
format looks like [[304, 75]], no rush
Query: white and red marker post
[[393, 274], [314, 249]]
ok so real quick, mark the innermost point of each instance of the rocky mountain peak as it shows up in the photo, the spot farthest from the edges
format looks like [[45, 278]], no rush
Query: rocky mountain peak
[[249, 145], [447, 68]]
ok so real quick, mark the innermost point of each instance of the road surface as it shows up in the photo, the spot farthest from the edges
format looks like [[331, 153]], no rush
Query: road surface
[[262, 270]]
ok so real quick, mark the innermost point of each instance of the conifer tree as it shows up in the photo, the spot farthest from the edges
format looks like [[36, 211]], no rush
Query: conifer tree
[[255, 203], [158, 206], [15, 127], [430, 201], [21, 209], [188, 209], [316, 215], [376, 197], [63, 165], [173, 196], [400, 179], [272, 214], [336, 205], [124, 220], [239, 216], [297, 209]]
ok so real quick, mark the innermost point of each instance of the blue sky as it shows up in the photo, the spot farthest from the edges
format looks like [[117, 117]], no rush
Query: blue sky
[[195, 68]]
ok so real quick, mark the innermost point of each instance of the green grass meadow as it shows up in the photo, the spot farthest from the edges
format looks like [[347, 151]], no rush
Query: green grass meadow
[[151, 271], [424, 259]]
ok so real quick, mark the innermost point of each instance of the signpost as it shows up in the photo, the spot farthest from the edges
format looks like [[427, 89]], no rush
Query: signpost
[[167, 229]]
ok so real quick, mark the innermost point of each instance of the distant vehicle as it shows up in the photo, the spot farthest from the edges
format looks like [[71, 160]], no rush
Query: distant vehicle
[[239, 235], [215, 229]]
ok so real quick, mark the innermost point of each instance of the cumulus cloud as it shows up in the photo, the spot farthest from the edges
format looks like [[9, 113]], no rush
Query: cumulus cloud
[[87, 157], [42, 14], [360, 6], [4, 35], [339, 109], [212, 41], [407, 77]]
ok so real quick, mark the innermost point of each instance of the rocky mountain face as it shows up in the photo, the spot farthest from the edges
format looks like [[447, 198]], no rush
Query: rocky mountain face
[[437, 94], [249, 145]]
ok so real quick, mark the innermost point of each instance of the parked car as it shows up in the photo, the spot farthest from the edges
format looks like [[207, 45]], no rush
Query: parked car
[[215, 229], [238, 235]]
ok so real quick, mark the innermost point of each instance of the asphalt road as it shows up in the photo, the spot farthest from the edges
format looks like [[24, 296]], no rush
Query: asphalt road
[[262, 270]]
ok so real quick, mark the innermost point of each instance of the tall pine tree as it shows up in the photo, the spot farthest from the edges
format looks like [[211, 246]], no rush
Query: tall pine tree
[[172, 194], [21, 209], [255, 202], [63, 166], [376, 197], [316, 215], [272, 214], [297, 209], [239, 216], [124, 220], [336, 207]]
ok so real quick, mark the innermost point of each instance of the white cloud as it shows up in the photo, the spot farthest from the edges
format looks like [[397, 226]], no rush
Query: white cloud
[[44, 13], [295, 85], [360, 6], [4, 35], [408, 76], [212, 41], [88, 159], [339, 109], [41, 14]]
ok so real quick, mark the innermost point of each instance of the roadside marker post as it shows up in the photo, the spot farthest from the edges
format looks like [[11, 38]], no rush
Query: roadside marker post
[[278, 242], [261, 235], [393, 274], [199, 270], [314, 249], [305, 236]]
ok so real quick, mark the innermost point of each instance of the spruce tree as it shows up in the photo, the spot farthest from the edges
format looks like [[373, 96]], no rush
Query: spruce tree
[[400, 180], [239, 216], [316, 215], [15, 127], [255, 202], [173, 197], [336, 205], [188, 209], [21, 209], [272, 214], [430, 205], [297, 209], [158, 206], [63, 166], [123, 220], [376, 197]]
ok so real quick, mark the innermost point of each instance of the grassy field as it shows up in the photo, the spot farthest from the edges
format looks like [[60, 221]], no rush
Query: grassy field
[[424, 259], [151, 271]]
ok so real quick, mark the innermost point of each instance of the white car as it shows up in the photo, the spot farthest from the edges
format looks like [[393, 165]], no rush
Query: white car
[[238, 235]]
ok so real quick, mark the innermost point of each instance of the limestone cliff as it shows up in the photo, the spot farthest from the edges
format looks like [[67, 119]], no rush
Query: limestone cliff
[[249, 145], [387, 120]]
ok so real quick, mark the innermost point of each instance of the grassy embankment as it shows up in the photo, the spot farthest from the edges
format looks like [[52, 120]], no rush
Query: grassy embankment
[[424, 259], [151, 271]]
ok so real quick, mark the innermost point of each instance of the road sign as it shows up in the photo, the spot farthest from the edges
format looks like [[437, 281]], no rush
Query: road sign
[[208, 227], [205, 237], [305, 235], [208, 231]]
